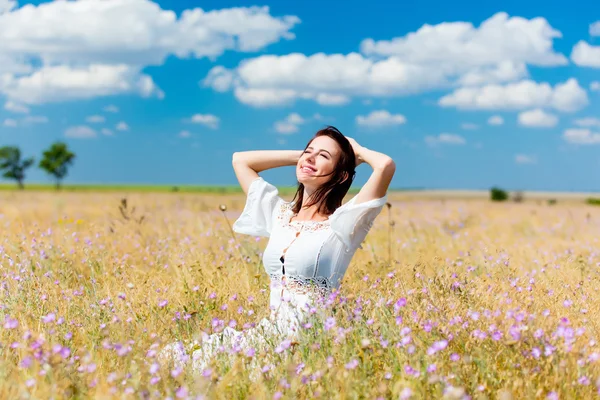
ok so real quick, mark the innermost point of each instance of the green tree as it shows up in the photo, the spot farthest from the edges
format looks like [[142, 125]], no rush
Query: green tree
[[57, 160], [12, 165]]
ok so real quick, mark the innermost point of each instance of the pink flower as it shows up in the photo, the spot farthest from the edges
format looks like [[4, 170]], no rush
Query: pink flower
[[162, 303], [10, 323], [352, 364], [437, 346]]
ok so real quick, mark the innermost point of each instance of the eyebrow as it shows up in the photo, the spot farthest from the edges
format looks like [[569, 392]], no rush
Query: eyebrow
[[312, 148]]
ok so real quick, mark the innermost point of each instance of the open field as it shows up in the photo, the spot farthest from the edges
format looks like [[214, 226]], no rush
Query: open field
[[459, 296]]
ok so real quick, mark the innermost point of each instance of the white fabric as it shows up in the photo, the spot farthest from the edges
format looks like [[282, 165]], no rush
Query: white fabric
[[315, 262]]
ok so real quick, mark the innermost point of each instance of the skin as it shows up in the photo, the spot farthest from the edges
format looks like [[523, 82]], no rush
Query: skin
[[321, 157]]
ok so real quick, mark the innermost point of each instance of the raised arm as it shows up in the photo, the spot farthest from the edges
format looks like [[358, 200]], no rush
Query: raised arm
[[248, 164], [383, 171]]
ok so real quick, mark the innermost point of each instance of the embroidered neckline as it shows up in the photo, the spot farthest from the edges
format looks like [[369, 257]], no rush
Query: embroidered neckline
[[285, 215]]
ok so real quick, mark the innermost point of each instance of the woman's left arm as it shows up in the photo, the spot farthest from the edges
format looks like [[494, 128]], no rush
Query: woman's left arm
[[383, 171]]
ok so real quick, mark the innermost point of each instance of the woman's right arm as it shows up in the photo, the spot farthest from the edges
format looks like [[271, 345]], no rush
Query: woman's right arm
[[247, 164]]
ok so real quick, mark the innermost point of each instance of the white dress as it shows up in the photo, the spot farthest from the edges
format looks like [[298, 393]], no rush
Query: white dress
[[316, 255]]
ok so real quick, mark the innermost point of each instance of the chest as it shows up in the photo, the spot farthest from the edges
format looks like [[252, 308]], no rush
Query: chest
[[297, 248]]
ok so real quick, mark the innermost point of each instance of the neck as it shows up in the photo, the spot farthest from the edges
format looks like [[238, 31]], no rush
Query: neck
[[308, 212]]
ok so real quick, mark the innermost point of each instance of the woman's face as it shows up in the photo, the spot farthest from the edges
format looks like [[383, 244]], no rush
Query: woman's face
[[320, 158]]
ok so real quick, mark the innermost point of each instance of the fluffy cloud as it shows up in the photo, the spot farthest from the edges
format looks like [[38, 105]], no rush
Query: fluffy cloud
[[595, 29], [440, 56], [111, 109], [595, 86], [585, 55], [122, 35], [567, 96], [537, 118], [61, 83], [184, 134], [122, 126], [469, 126], [380, 118], [588, 122], [209, 120], [80, 132], [525, 159], [7, 5], [445, 138], [107, 132], [10, 123], [326, 79], [581, 136], [460, 45], [495, 120], [95, 119], [290, 124], [16, 107]]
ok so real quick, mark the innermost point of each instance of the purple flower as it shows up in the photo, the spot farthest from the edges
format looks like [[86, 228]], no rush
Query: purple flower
[[283, 346], [437, 346], [454, 357], [329, 323], [352, 364], [162, 303], [48, 318], [181, 392], [10, 323], [154, 368]]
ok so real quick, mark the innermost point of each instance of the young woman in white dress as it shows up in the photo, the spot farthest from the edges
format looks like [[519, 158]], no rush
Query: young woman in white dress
[[312, 238]]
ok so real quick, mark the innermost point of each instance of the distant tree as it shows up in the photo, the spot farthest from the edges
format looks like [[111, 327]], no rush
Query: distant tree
[[56, 161], [497, 194], [12, 165]]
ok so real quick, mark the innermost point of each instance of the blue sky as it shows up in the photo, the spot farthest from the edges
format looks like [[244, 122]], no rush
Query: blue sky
[[462, 96]]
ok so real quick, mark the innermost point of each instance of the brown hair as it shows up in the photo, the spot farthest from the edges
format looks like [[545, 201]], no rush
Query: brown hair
[[330, 195]]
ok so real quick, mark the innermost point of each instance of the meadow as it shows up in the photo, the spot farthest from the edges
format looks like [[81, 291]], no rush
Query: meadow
[[456, 298]]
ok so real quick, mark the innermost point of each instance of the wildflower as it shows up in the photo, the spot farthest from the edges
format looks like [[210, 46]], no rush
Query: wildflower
[[162, 303], [10, 323], [329, 323], [405, 394], [48, 318], [454, 357], [352, 364], [181, 392], [437, 346]]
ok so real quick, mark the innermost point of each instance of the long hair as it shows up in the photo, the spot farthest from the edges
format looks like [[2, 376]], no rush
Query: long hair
[[330, 195]]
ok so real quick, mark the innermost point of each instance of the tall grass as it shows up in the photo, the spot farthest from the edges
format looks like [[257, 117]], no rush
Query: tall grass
[[478, 299]]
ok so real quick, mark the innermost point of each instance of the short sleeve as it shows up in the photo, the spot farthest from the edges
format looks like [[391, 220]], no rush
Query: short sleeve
[[351, 222], [261, 203]]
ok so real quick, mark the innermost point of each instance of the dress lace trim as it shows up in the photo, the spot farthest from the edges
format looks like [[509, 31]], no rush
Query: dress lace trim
[[285, 215], [303, 284]]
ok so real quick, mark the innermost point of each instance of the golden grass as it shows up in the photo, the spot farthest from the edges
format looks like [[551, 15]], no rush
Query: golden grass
[[89, 293]]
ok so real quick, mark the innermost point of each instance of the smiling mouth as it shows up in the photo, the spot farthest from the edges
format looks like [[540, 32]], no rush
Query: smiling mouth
[[307, 169]]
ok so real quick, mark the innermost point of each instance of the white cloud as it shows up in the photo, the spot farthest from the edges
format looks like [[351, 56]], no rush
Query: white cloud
[[380, 118], [588, 122], [469, 126], [10, 123], [289, 124], [130, 34], [441, 56], [496, 120], [80, 132], [326, 99], [581, 136], [326, 79], [184, 134], [62, 83], [595, 86], [537, 118], [122, 126], [460, 45], [16, 107], [107, 132], [35, 119], [136, 32], [525, 159], [585, 55], [7, 5], [209, 120], [567, 96], [595, 29], [95, 119], [111, 109], [445, 138]]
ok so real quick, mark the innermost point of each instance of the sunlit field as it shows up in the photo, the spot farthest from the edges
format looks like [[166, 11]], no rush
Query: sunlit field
[[446, 299]]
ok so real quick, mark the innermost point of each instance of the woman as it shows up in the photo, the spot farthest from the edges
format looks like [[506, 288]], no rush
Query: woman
[[312, 239]]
